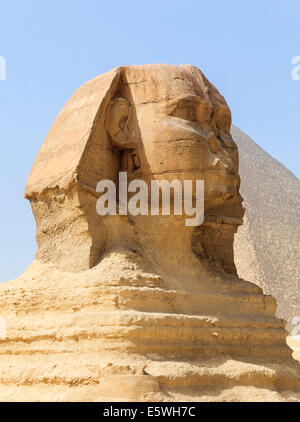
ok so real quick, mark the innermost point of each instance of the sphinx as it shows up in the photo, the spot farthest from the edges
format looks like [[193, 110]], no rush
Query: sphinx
[[141, 307], [154, 122]]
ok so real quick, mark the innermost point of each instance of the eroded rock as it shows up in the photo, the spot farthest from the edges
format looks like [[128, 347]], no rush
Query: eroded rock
[[140, 307]]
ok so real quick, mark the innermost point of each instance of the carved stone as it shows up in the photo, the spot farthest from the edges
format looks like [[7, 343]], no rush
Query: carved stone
[[140, 307]]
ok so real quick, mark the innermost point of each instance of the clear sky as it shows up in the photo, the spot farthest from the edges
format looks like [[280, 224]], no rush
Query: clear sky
[[245, 48]]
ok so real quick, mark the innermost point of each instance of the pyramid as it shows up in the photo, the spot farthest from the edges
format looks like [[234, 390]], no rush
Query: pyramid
[[267, 250]]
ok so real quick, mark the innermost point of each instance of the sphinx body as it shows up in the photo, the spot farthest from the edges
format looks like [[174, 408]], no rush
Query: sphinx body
[[122, 307]]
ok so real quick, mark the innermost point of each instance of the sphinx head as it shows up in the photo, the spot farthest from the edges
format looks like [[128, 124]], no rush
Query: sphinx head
[[156, 122]]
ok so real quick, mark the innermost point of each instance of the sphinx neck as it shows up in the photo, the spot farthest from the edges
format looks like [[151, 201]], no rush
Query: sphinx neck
[[166, 242]]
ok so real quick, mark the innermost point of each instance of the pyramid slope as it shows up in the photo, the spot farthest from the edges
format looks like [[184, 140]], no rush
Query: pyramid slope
[[267, 248]]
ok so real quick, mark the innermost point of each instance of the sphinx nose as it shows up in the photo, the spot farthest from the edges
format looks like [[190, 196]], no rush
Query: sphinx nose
[[219, 164], [228, 167], [216, 164]]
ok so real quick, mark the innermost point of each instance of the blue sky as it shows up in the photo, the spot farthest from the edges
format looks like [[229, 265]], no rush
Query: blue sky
[[245, 48]]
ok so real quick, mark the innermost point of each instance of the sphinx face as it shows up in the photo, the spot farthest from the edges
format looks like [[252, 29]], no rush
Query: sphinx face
[[155, 122], [184, 133]]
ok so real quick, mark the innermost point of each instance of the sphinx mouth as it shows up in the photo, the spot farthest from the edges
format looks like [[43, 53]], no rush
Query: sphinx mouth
[[218, 171], [221, 170], [222, 219]]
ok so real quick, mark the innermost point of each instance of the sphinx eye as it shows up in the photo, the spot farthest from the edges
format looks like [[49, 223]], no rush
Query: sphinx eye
[[185, 110]]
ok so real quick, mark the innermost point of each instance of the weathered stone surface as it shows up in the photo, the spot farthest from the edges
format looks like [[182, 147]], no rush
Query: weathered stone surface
[[140, 307], [176, 125]]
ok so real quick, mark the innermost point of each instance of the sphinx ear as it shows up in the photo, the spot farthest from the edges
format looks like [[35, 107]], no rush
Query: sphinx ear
[[119, 125]]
